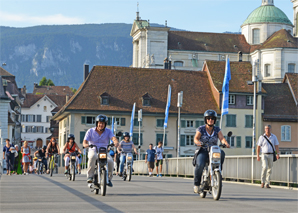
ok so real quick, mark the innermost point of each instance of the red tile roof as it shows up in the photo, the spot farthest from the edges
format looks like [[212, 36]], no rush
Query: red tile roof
[[31, 99], [209, 42], [52, 90], [127, 85], [241, 72], [279, 103], [293, 81]]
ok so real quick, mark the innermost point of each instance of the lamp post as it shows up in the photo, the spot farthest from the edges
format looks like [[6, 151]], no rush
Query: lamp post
[[140, 118], [179, 105]]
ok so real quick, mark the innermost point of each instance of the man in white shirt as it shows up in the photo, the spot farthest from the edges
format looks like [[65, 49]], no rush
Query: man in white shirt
[[159, 152], [267, 154]]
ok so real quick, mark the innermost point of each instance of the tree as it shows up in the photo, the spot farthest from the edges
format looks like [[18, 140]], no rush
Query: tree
[[46, 82], [73, 90]]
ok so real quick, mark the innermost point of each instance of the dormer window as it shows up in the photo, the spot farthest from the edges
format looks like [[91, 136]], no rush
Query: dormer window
[[146, 99], [104, 99]]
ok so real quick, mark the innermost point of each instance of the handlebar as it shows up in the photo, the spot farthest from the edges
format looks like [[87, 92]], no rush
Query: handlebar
[[92, 145]]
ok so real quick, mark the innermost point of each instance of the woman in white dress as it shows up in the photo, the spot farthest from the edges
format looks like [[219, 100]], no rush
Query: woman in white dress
[[25, 150]]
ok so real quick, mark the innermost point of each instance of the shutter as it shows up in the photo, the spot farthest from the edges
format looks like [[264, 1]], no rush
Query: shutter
[[141, 139], [42, 129], [83, 119], [109, 120], [198, 124], [238, 138], [82, 135], [182, 140], [122, 121], [33, 118], [183, 123]]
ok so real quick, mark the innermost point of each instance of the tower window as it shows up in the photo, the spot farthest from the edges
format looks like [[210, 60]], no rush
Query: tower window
[[267, 70], [256, 36], [291, 68]]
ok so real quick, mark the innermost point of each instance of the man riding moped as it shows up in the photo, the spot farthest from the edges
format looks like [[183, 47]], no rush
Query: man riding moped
[[125, 147], [71, 146], [206, 134], [99, 136]]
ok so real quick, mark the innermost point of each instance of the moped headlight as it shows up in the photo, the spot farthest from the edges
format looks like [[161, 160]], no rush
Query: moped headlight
[[129, 158], [102, 155], [73, 157], [216, 155], [39, 159]]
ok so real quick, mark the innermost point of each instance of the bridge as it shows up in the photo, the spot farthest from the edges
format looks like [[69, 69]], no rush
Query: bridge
[[34, 193]]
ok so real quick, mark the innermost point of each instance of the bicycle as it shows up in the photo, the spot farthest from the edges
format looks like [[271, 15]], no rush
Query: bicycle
[[40, 166], [52, 163]]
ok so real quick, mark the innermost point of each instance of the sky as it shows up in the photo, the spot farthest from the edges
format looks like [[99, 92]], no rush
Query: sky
[[192, 15]]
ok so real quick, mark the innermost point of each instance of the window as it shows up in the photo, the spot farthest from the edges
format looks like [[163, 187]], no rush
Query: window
[[135, 139], [169, 155], [49, 118], [248, 141], [159, 137], [182, 140], [291, 68], [178, 64], [160, 122], [256, 36], [189, 124], [136, 122], [232, 99], [231, 120], [183, 123], [30, 118], [45, 108], [199, 123], [23, 118], [189, 140], [232, 141], [286, 133], [82, 135], [249, 100], [267, 70], [30, 129], [249, 121], [146, 102], [38, 118], [39, 129], [85, 120], [238, 141], [105, 101]]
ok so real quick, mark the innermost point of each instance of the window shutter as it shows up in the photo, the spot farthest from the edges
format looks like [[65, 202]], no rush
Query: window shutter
[[141, 139], [238, 138], [182, 140], [183, 123], [122, 121], [33, 118], [82, 135], [83, 119], [197, 124]]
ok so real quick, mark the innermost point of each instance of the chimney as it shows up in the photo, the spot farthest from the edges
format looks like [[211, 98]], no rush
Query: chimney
[[86, 71], [67, 98], [240, 56], [166, 63]]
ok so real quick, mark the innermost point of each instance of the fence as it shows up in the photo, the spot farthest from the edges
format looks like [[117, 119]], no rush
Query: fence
[[235, 167]]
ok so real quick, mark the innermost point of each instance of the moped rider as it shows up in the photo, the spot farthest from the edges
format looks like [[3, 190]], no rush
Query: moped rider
[[43, 155], [99, 136], [72, 147], [208, 133], [126, 145]]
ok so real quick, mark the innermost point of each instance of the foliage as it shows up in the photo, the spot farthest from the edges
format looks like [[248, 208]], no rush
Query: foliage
[[74, 90], [46, 82]]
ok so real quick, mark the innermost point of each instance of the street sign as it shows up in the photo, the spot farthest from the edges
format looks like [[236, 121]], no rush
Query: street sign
[[140, 116]]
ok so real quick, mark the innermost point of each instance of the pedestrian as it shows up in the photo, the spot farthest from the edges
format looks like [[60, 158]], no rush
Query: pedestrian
[[18, 161], [266, 143], [26, 151], [16, 158], [150, 157], [117, 161], [159, 152], [8, 155]]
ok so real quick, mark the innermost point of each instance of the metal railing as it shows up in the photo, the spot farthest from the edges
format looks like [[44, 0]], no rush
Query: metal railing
[[284, 170]]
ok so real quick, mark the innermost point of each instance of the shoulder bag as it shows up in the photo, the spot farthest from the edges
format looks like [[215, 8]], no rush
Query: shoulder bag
[[274, 154]]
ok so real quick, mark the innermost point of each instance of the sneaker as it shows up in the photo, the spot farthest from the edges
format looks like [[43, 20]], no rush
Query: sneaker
[[110, 184], [157, 175], [160, 175], [196, 189], [89, 180]]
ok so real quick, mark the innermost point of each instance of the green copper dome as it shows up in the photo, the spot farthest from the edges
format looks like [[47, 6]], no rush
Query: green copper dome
[[267, 13]]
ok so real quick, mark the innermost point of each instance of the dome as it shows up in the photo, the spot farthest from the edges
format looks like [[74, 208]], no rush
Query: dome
[[267, 13]]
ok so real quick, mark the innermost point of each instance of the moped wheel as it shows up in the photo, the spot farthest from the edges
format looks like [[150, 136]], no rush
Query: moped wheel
[[129, 174], [73, 172], [203, 194], [96, 191], [217, 185], [38, 168], [103, 182]]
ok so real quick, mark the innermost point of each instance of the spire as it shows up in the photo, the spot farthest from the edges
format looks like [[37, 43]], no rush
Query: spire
[[138, 13], [267, 2]]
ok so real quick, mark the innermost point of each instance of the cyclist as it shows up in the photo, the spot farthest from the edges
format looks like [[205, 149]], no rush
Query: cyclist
[[208, 133], [42, 154], [99, 136], [126, 145], [71, 146], [53, 148]]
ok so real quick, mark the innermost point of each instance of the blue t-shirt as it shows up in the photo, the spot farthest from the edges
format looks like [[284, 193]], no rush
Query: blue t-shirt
[[150, 155], [6, 149]]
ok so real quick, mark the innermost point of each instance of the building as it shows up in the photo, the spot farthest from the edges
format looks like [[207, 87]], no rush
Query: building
[[147, 88], [267, 37]]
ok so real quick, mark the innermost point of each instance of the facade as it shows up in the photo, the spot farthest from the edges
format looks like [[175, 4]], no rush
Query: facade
[[266, 38], [295, 17], [147, 88]]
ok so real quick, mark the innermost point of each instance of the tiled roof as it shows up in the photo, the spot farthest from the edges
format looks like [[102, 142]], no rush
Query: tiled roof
[[293, 81], [52, 90], [207, 42], [241, 72], [281, 39], [31, 99], [127, 85], [3, 72], [279, 103]]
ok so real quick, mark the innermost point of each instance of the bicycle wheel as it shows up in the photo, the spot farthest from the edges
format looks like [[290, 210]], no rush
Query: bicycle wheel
[[129, 173], [38, 167], [52, 164], [73, 172]]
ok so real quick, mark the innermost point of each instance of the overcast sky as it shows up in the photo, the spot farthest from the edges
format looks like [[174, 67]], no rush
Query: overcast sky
[[192, 15]]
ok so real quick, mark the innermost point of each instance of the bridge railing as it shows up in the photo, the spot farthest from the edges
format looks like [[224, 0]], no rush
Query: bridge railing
[[235, 167]]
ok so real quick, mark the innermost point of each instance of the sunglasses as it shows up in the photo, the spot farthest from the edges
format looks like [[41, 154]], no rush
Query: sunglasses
[[212, 118]]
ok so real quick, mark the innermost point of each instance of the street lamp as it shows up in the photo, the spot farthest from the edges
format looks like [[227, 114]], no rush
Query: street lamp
[[140, 118], [179, 105]]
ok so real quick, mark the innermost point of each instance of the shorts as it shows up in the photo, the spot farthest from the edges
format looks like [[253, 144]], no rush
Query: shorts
[[159, 162], [151, 165]]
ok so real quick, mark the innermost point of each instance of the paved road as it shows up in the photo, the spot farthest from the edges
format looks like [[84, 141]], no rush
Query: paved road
[[143, 194]]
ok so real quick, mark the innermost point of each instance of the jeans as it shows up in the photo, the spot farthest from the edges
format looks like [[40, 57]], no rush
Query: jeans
[[122, 161], [45, 163], [202, 158], [9, 161]]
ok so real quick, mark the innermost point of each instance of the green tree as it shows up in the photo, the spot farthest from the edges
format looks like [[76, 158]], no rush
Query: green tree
[[46, 82], [50, 83], [74, 90]]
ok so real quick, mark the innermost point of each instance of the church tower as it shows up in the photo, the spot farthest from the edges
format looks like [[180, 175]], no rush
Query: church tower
[[295, 21], [267, 2]]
